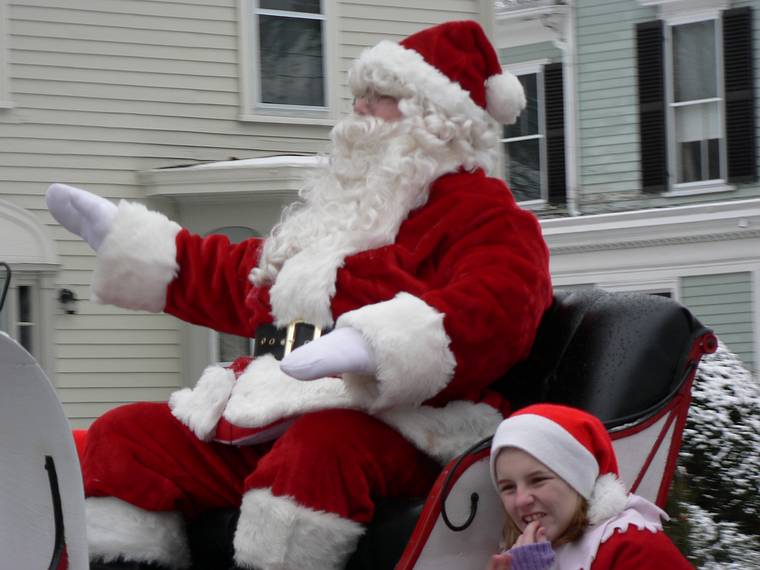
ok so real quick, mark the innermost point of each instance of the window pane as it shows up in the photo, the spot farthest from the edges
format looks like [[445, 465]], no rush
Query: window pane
[[697, 122], [291, 61], [523, 173], [25, 338], [691, 161], [698, 142], [231, 347], [311, 6], [24, 304], [713, 159], [695, 74], [527, 122]]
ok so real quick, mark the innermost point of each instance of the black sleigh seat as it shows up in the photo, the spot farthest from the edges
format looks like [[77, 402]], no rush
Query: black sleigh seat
[[628, 358]]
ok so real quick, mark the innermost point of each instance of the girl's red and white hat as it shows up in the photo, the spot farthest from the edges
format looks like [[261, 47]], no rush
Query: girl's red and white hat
[[573, 444]]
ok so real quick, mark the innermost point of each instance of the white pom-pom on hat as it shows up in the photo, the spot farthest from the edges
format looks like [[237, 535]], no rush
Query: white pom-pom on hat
[[505, 97]]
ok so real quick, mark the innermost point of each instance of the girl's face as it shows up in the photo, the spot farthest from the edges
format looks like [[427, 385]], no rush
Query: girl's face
[[530, 491]]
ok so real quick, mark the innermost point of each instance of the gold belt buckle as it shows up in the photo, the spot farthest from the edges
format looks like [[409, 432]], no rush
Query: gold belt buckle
[[290, 336]]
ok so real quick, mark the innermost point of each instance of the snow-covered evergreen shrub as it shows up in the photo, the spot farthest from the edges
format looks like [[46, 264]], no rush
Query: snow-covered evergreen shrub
[[716, 495]]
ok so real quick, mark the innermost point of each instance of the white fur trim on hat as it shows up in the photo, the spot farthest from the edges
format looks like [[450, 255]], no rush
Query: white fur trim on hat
[[550, 444], [276, 533], [137, 259], [505, 97], [394, 70], [411, 349], [608, 498], [117, 529]]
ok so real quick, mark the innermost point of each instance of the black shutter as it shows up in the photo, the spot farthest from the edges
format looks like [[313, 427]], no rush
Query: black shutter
[[554, 113], [740, 96], [651, 69]]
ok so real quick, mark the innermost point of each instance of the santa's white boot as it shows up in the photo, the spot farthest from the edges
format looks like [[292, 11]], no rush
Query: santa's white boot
[[276, 533], [119, 531]]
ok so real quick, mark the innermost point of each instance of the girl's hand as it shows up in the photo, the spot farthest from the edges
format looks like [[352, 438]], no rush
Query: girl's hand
[[501, 561], [533, 533]]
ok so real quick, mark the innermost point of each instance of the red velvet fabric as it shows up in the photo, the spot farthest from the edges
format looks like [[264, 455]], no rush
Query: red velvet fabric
[[80, 441], [460, 51], [470, 253], [337, 461], [635, 549]]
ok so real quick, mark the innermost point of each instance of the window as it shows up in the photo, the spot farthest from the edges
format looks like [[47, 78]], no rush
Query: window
[[696, 101], [534, 147], [285, 63], [19, 315], [25, 321], [227, 347], [524, 145]]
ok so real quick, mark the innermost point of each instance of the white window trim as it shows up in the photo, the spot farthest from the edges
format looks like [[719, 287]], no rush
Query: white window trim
[[5, 92], [250, 109], [527, 68], [676, 189], [680, 11], [541, 22]]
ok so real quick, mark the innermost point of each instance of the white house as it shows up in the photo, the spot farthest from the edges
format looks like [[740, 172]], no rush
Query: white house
[[113, 96], [639, 148]]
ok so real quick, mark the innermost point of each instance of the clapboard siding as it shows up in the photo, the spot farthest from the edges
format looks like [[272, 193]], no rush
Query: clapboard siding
[[608, 107], [724, 302], [606, 90], [103, 90], [117, 379], [534, 52]]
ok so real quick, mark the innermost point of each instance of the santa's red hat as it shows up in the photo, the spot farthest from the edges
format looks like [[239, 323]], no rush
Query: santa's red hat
[[451, 64], [573, 444]]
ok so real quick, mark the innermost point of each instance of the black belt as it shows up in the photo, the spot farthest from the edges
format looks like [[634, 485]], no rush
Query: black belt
[[281, 341]]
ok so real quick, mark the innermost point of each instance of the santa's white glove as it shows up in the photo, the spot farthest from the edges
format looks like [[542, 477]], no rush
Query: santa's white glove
[[343, 350], [81, 212]]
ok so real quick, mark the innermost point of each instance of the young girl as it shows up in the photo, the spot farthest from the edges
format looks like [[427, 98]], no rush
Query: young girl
[[556, 473]]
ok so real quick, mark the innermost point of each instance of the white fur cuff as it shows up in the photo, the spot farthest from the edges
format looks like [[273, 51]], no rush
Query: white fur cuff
[[276, 533], [202, 407], [117, 529], [411, 348], [137, 259], [443, 433]]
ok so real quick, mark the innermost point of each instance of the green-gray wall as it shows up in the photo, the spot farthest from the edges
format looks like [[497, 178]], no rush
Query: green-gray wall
[[724, 302]]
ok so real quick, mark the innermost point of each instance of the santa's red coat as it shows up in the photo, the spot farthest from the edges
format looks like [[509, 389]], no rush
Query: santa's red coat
[[448, 308]]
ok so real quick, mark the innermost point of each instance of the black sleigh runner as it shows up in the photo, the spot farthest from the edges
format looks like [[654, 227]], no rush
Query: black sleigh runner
[[630, 359]]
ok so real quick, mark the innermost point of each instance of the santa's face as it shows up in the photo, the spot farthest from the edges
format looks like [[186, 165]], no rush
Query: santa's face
[[381, 106], [530, 491]]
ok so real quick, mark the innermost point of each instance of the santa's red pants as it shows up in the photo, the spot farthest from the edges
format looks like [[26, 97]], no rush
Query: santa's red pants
[[338, 461]]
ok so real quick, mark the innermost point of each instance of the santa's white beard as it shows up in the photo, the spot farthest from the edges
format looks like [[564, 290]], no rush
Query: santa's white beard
[[378, 172]]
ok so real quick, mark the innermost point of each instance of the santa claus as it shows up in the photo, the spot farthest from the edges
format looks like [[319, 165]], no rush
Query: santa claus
[[401, 285]]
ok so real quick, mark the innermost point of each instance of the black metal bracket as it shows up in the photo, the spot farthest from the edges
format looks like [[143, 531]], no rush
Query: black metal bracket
[[55, 492], [474, 497]]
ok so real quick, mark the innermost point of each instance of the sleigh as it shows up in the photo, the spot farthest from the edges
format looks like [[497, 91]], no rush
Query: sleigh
[[628, 358]]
